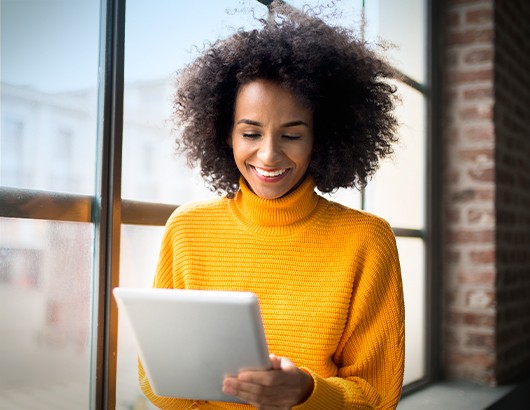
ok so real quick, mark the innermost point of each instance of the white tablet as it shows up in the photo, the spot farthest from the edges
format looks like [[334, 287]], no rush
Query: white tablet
[[189, 340]]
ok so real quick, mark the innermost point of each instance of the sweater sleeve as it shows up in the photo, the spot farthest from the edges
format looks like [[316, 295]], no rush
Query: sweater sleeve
[[371, 352]]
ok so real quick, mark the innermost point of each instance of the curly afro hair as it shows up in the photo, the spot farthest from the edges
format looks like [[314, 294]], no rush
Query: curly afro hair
[[327, 68]]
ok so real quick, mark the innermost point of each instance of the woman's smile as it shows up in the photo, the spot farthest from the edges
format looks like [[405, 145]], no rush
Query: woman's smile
[[270, 174]]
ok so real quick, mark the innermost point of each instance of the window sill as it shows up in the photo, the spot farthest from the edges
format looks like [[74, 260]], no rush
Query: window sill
[[455, 395]]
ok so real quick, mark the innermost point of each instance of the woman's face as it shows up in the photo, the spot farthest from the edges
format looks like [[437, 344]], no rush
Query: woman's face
[[272, 138]]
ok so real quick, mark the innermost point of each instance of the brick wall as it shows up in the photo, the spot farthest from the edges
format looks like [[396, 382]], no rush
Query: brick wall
[[486, 274]]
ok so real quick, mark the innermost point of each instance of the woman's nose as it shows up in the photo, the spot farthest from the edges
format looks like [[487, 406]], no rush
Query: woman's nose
[[269, 150]]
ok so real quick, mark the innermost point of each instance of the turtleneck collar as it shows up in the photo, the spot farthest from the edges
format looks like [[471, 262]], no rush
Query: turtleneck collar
[[288, 211]]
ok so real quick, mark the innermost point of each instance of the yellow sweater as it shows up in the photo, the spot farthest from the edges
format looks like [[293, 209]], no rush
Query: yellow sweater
[[328, 280]]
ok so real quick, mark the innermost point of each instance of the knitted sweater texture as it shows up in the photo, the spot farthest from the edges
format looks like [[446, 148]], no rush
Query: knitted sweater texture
[[328, 280]]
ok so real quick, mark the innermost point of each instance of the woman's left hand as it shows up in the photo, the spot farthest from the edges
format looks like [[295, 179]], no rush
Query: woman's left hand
[[282, 387]]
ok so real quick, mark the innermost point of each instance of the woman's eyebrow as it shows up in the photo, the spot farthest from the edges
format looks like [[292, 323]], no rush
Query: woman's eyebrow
[[295, 123], [285, 125], [249, 122]]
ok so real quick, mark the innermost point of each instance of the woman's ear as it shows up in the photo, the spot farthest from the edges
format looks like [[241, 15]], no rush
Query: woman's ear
[[229, 140]]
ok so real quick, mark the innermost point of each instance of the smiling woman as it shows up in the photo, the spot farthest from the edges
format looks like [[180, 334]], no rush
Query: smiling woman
[[270, 115]]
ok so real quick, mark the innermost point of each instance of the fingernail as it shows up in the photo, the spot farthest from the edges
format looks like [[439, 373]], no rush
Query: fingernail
[[227, 387], [243, 376]]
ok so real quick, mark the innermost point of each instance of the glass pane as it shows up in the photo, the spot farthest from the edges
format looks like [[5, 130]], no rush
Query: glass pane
[[397, 191], [412, 259], [150, 170], [139, 253], [345, 13], [49, 61], [349, 197], [45, 288], [403, 25]]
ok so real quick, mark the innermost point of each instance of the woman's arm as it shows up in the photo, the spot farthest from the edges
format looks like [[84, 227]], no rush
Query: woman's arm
[[370, 355]]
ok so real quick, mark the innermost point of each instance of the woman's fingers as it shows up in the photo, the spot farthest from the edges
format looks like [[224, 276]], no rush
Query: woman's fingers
[[283, 386]]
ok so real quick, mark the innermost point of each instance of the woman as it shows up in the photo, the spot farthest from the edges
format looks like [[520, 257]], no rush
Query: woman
[[270, 115]]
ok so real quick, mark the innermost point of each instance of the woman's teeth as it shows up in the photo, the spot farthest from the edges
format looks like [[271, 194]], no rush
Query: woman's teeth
[[275, 173]]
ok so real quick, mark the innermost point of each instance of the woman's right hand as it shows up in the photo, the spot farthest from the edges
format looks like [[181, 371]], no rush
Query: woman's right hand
[[281, 387]]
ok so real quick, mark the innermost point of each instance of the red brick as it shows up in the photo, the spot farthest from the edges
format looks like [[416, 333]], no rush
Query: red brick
[[479, 16], [476, 154], [452, 216], [478, 55], [452, 176], [485, 195], [473, 36], [478, 93], [469, 76], [478, 133], [453, 18], [471, 319], [481, 216], [476, 278], [480, 340], [482, 257], [476, 112], [471, 195], [465, 236], [464, 195], [482, 174], [482, 359]]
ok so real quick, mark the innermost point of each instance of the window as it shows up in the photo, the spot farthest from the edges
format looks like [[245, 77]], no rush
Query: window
[[88, 177], [48, 145], [12, 144]]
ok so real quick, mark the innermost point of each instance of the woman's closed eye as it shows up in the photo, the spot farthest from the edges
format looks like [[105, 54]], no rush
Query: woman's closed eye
[[291, 137], [255, 135]]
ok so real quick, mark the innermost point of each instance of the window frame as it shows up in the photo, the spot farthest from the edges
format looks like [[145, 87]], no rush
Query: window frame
[[108, 211]]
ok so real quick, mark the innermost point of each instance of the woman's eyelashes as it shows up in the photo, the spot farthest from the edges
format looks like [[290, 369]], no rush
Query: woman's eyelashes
[[291, 137], [252, 135]]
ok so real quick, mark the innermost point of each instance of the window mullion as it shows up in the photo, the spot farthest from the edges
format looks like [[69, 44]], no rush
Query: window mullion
[[433, 191], [107, 210]]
